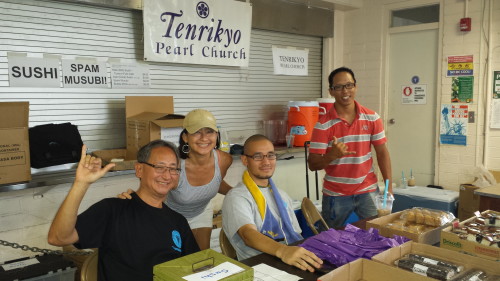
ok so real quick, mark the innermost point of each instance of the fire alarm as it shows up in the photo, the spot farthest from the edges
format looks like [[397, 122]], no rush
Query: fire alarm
[[465, 24]]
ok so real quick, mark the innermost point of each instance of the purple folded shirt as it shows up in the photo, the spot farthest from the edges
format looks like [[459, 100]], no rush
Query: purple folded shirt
[[339, 247]]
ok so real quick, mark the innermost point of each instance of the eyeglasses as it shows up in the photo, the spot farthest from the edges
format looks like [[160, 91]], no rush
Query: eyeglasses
[[260, 156], [163, 169], [347, 86]]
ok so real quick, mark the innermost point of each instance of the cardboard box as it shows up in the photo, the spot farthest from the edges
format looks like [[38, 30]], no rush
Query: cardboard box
[[468, 202], [369, 270], [15, 163], [428, 237], [150, 118], [178, 268], [496, 175], [389, 256], [108, 155], [451, 241]]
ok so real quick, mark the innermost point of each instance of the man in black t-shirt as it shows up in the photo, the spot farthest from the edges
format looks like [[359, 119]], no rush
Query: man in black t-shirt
[[132, 235]]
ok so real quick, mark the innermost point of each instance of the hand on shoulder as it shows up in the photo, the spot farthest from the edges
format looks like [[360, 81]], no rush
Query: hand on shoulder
[[126, 194]]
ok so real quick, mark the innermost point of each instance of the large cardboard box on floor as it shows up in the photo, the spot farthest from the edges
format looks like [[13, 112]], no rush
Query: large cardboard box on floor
[[369, 270], [469, 262], [15, 163], [150, 118], [468, 202], [452, 241], [428, 237]]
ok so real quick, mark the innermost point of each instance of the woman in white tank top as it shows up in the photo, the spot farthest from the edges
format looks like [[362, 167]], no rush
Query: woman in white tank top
[[202, 177], [203, 170]]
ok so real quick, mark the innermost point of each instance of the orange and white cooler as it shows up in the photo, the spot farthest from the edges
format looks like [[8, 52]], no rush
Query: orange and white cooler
[[302, 116]]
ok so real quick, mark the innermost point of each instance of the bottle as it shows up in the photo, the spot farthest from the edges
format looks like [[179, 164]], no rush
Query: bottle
[[404, 183], [224, 140], [411, 181]]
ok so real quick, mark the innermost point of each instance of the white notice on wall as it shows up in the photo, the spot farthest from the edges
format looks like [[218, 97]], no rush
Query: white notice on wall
[[414, 94], [34, 72], [130, 76], [290, 61], [84, 74], [495, 114]]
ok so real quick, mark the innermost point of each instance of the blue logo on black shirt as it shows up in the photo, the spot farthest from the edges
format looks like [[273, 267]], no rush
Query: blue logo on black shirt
[[176, 238]]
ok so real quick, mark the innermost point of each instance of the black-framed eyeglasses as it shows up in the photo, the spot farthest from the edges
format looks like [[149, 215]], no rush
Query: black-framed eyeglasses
[[163, 169], [339, 88], [260, 156]]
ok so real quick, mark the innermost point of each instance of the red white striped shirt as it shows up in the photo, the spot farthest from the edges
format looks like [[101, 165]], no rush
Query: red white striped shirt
[[351, 174]]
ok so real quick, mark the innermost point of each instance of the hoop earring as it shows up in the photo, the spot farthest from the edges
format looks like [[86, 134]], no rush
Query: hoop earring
[[185, 148]]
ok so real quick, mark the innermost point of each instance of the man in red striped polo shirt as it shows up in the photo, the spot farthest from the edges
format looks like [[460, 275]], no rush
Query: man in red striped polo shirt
[[341, 144]]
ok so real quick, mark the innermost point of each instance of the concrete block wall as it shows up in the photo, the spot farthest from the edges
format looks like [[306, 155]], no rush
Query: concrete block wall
[[363, 32]]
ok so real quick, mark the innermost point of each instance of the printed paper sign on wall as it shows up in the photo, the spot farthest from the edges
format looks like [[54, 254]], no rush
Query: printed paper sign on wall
[[34, 72], [462, 89], [496, 85], [414, 94], [290, 61], [84, 74], [199, 32], [130, 76], [453, 127], [460, 66]]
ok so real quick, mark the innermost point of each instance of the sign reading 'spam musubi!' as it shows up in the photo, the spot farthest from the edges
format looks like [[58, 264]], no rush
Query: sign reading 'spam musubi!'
[[213, 32], [84, 74], [34, 72]]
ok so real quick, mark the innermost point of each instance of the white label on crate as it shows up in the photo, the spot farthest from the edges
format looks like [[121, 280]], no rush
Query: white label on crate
[[19, 264], [219, 272]]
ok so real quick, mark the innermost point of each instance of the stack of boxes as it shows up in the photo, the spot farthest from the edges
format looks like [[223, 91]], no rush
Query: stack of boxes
[[382, 266], [468, 201], [484, 249], [14, 142], [147, 118]]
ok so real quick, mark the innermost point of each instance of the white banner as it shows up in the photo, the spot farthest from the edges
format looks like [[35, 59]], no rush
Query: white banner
[[289, 61], [34, 72], [214, 32], [84, 74]]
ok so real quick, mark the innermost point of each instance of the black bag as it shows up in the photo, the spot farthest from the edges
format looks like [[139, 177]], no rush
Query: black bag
[[54, 144]]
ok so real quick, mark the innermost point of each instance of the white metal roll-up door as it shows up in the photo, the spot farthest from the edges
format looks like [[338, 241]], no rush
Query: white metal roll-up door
[[239, 97]]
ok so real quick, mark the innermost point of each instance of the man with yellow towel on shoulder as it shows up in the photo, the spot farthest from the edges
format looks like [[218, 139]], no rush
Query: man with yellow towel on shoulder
[[258, 217]]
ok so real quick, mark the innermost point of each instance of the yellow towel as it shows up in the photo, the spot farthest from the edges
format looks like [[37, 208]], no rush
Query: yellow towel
[[256, 194]]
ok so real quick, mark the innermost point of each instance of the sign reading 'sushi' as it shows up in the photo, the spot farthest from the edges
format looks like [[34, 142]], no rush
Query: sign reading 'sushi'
[[214, 32]]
